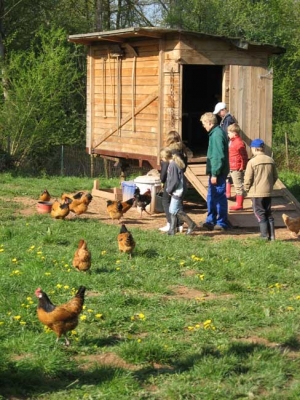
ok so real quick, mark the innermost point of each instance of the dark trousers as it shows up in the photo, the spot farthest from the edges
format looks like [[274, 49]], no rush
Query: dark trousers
[[262, 208]]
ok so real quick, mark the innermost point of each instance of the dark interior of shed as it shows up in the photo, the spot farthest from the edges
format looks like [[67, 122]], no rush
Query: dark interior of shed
[[201, 90]]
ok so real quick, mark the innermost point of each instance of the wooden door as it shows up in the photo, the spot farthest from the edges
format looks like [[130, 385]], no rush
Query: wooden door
[[248, 92]]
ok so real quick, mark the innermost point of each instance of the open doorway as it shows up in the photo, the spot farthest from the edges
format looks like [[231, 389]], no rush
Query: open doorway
[[201, 90]]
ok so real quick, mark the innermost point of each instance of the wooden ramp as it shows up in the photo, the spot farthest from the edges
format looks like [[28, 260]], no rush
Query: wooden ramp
[[282, 200]]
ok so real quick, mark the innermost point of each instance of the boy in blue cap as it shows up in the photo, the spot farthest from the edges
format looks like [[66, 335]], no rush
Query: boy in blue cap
[[260, 177]]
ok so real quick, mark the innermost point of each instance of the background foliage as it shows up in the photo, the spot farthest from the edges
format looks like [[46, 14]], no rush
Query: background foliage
[[43, 76]]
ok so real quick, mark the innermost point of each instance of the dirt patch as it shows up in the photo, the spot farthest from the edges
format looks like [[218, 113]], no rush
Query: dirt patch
[[183, 292], [97, 210], [113, 360]]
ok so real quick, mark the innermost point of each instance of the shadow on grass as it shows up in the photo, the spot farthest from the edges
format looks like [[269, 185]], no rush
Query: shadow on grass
[[22, 381]]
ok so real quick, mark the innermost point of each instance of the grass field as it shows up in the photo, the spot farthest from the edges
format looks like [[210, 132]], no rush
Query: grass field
[[185, 318]]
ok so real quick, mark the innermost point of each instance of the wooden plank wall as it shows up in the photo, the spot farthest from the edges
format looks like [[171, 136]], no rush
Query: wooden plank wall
[[120, 86], [250, 101]]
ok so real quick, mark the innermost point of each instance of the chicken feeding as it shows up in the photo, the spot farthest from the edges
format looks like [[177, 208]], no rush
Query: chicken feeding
[[80, 206], [45, 195], [142, 200], [60, 210], [126, 242], [63, 318], [82, 257], [116, 209], [293, 224]]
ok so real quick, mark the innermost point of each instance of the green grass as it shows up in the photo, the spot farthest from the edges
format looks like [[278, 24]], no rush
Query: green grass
[[162, 346]]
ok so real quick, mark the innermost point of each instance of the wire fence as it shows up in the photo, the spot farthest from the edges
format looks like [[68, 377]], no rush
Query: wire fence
[[71, 161]]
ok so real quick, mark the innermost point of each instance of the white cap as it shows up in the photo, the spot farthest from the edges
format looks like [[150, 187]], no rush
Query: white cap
[[219, 107]]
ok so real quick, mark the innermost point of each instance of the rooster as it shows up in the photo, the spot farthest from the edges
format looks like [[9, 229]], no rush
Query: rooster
[[142, 200], [45, 195], [82, 257], [60, 210], [293, 224], [126, 242], [116, 209], [80, 206], [63, 318]]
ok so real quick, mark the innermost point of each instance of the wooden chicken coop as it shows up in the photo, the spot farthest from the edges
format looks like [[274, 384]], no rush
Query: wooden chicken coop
[[144, 82]]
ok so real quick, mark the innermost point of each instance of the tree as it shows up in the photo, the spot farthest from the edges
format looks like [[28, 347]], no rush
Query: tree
[[45, 97]]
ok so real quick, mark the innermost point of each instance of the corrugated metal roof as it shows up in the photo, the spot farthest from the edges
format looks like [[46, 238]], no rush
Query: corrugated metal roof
[[122, 35]]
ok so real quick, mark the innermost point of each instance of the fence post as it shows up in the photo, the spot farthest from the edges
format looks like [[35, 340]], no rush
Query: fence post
[[62, 160], [287, 151]]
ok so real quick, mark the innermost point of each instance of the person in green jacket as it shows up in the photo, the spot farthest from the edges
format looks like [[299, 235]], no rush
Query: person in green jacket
[[217, 169], [260, 177]]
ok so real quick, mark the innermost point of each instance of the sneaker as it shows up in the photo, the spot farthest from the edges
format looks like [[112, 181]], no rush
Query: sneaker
[[165, 228], [180, 228], [207, 226]]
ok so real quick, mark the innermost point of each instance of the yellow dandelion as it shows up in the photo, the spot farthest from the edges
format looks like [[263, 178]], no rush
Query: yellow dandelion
[[103, 252], [132, 318], [73, 332], [201, 277], [66, 265], [14, 260], [190, 328], [83, 317], [1, 322], [90, 310], [139, 340], [47, 273], [83, 307], [59, 286], [289, 308], [118, 269], [1, 250], [197, 326], [297, 297], [39, 252], [22, 323], [66, 287], [118, 261], [17, 317], [182, 263], [98, 315]]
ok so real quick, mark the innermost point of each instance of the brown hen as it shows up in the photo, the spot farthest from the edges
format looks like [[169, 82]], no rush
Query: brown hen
[[80, 206], [63, 318], [82, 257], [126, 242], [60, 210], [293, 224], [45, 195], [71, 196], [116, 209]]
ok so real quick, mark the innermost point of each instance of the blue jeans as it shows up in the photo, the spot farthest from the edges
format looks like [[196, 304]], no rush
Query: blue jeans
[[175, 206], [217, 206]]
